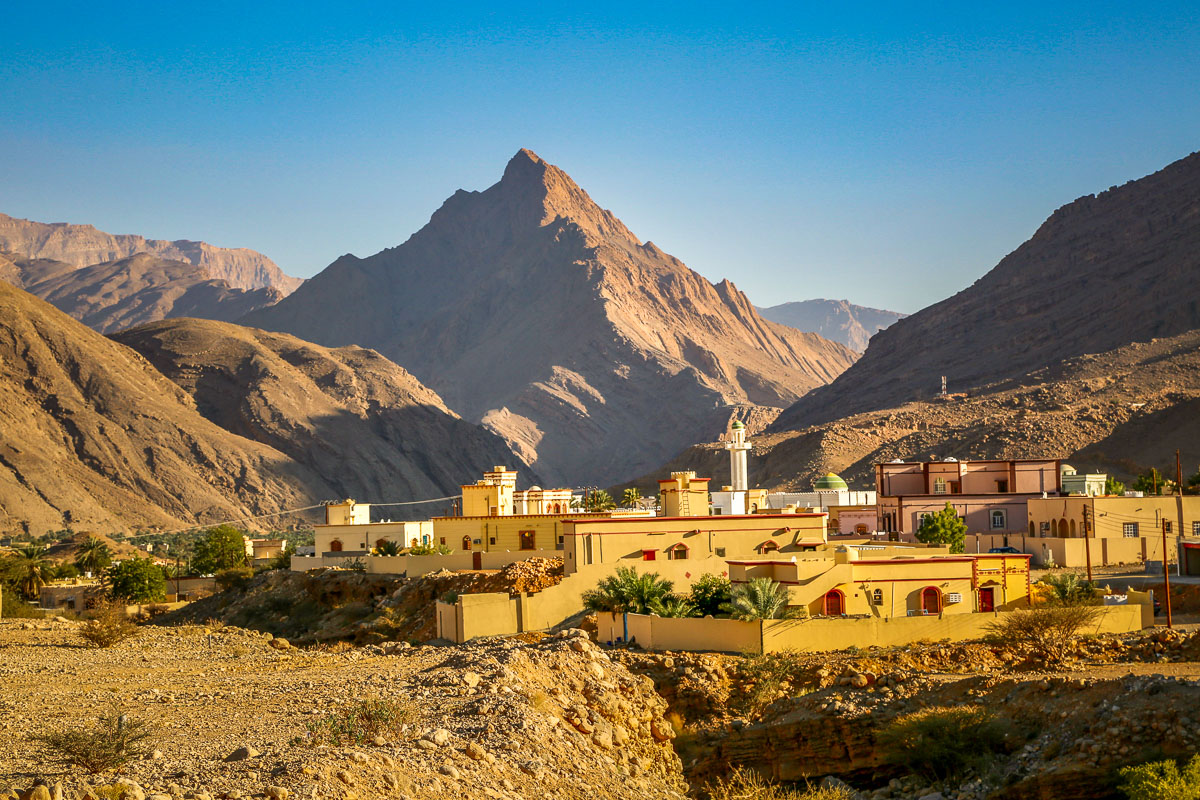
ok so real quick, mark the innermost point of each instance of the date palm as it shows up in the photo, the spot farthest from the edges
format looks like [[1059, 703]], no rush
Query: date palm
[[93, 555], [760, 598], [32, 570]]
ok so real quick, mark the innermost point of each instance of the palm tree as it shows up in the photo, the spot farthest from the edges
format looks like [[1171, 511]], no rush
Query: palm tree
[[1070, 589], [387, 548], [627, 591], [93, 555], [760, 598], [673, 606], [33, 568], [630, 497]]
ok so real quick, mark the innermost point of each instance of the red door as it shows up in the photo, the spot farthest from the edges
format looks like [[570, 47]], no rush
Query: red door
[[931, 600], [987, 599], [476, 560], [833, 603]]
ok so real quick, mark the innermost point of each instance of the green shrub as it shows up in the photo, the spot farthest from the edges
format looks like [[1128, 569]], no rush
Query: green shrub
[[111, 744], [761, 677], [234, 578], [360, 723], [16, 608], [107, 625], [943, 742], [1047, 631], [429, 550], [709, 593], [1162, 780], [137, 580]]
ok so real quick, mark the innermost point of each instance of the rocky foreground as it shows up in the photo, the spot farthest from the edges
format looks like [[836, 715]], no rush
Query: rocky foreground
[[239, 714]]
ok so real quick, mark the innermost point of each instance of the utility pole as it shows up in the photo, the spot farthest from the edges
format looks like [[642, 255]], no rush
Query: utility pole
[[1166, 573], [1087, 540], [1178, 475]]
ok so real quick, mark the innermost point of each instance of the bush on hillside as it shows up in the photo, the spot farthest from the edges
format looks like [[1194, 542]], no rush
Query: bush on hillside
[[1047, 631], [108, 624], [745, 784], [234, 578], [361, 723], [943, 742], [1162, 780], [111, 744]]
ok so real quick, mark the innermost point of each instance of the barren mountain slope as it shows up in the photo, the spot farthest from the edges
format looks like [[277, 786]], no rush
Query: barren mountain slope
[[1119, 412], [93, 431], [131, 291], [84, 245], [1101, 272], [365, 426], [529, 307], [837, 320]]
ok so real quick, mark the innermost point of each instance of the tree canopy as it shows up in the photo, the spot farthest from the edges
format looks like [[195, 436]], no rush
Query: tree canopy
[[759, 598], [222, 547], [943, 527], [137, 580]]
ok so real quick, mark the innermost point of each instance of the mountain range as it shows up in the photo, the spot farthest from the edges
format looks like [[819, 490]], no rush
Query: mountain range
[[837, 320], [1081, 344], [530, 308], [96, 436]]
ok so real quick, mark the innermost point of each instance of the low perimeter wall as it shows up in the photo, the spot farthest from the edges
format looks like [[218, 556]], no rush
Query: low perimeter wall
[[819, 635], [498, 613], [415, 566], [1068, 552]]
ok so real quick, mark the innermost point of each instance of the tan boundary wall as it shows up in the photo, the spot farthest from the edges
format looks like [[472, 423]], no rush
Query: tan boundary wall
[[414, 566], [498, 613], [1067, 552], [820, 635]]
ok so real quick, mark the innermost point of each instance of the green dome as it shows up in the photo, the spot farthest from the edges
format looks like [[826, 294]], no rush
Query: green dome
[[829, 483], [737, 425]]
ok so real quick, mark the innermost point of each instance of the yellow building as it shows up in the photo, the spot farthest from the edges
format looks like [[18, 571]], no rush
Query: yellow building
[[683, 495], [606, 541], [1130, 529], [878, 580]]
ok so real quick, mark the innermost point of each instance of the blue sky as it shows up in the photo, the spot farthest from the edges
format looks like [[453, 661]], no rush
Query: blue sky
[[889, 154]]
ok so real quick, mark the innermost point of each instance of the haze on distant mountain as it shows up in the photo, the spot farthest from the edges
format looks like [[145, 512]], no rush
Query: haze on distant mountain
[[96, 437], [529, 307], [130, 291], [837, 320], [84, 245], [1102, 272]]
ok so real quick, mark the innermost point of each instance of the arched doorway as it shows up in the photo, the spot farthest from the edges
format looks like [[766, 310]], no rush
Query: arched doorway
[[835, 603], [527, 540], [931, 600], [1032, 529], [1072, 529], [466, 544], [557, 508], [335, 546], [1062, 528]]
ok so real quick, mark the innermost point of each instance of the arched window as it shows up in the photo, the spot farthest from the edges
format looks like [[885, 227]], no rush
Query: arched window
[[931, 600], [466, 543], [769, 546], [939, 485], [835, 603], [335, 546], [877, 597], [557, 508], [677, 552], [1032, 529], [1062, 528], [1072, 529], [528, 540]]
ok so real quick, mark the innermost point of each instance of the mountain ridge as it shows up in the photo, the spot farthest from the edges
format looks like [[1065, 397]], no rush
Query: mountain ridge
[[837, 320], [529, 307]]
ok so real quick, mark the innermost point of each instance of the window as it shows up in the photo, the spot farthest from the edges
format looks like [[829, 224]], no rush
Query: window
[[491, 540], [999, 519], [1129, 530], [649, 555], [677, 552], [720, 552], [769, 546], [379, 543], [1001, 487], [528, 539], [1167, 526], [877, 597], [466, 543], [1196, 529], [939, 486]]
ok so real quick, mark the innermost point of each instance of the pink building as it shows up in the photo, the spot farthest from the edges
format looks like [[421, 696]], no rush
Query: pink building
[[990, 496]]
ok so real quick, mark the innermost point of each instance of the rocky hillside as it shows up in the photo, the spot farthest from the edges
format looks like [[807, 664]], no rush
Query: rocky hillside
[[363, 425], [1119, 412], [1106, 270], [94, 434], [84, 245], [837, 320], [532, 309], [130, 291]]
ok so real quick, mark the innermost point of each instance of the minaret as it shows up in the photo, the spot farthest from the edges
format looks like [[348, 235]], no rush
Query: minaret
[[738, 447]]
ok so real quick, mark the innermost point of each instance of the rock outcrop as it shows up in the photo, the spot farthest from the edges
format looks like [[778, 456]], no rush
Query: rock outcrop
[[1102, 272], [837, 320], [84, 245], [533, 310]]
